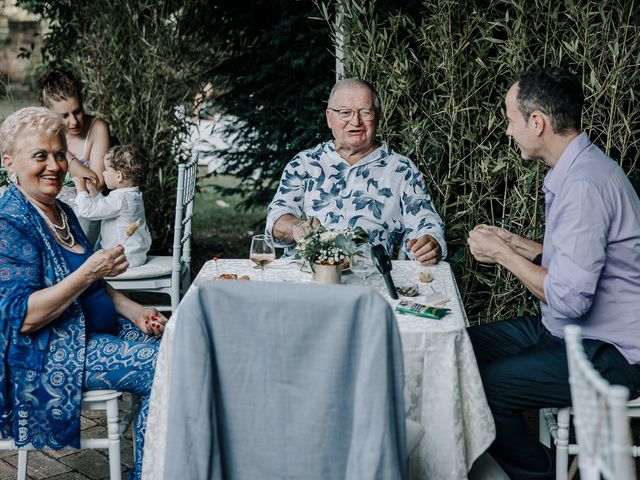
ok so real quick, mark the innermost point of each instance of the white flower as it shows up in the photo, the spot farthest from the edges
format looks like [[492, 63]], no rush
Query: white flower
[[328, 236]]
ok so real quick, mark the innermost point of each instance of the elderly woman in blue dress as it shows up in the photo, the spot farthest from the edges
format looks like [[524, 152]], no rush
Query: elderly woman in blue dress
[[64, 330], [357, 180]]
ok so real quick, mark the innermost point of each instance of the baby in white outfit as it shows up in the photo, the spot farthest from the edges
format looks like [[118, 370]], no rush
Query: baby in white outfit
[[125, 167]]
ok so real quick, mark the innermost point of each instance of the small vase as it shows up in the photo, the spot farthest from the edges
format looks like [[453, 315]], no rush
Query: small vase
[[326, 273]]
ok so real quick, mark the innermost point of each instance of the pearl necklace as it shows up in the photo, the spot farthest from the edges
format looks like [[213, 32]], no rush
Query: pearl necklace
[[61, 232]]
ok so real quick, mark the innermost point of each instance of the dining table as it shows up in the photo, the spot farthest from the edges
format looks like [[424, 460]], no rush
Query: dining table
[[443, 390]]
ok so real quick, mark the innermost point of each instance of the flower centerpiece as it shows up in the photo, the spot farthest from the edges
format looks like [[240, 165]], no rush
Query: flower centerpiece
[[328, 248]]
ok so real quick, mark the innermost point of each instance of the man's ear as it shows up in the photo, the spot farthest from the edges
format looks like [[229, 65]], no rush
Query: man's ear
[[540, 122], [328, 114]]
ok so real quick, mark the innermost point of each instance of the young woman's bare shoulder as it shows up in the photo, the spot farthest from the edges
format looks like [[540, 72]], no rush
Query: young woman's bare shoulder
[[100, 127]]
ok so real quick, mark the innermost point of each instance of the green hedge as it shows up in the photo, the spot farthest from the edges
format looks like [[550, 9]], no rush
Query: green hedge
[[442, 68]]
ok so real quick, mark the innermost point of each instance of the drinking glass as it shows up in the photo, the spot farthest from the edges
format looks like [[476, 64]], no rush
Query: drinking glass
[[262, 252], [362, 263]]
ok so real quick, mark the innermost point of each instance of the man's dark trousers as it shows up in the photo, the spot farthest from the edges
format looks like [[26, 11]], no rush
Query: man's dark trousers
[[524, 367]]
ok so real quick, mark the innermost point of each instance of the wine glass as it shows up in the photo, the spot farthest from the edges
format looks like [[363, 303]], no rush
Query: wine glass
[[262, 252], [362, 263]]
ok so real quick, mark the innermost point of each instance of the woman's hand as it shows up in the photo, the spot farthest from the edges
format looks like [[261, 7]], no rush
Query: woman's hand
[[107, 262], [147, 319], [150, 321]]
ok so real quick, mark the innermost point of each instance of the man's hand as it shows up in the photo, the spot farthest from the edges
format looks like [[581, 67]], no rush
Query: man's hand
[[485, 245], [524, 247], [496, 245], [300, 229], [289, 228], [425, 249]]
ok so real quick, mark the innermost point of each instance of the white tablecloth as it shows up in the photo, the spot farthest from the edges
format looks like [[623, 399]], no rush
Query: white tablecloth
[[443, 391]]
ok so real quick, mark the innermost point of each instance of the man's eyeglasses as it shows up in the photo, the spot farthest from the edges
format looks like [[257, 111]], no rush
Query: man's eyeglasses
[[345, 114]]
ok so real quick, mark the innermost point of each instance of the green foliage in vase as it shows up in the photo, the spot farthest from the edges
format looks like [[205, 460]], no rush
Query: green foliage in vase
[[328, 247], [442, 68]]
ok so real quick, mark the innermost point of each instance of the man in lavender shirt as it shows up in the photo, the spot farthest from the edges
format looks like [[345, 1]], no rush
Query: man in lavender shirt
[[587, 272]]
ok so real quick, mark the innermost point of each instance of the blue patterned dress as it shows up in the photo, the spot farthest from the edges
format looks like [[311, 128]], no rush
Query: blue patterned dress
[[384, 193], [43, 374]]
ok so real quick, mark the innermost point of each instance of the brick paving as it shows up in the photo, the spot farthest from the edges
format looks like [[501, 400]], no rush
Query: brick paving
[[72, 464], [90, 464]]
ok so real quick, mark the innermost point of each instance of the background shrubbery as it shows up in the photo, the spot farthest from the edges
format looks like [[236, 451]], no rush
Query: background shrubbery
[[144, 60], [442, 68], [140, 60]]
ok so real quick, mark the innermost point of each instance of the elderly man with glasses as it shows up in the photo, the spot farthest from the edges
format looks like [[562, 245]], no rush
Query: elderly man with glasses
[[357, 180]]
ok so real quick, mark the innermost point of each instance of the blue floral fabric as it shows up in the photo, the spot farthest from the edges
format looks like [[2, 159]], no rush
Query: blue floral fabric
[[124, 361], [42, 374], [384, 193]]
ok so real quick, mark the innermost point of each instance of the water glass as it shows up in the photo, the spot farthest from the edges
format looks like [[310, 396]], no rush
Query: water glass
[[362, 263]]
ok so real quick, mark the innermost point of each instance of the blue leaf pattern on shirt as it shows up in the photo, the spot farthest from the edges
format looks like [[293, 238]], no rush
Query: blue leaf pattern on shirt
[[384, 193], [354, 220], [333, 218], [372, 182]]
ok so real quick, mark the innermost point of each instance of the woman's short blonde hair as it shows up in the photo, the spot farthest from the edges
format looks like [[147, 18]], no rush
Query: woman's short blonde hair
[[29, 120]]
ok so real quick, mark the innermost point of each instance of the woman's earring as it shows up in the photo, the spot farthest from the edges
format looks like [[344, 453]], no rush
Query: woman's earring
[[13, 178]]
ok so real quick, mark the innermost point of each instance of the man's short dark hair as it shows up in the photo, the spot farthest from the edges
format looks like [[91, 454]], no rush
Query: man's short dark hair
[[556, 92]]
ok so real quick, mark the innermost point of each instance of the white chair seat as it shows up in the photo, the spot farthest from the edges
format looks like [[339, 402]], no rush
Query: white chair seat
[[168, 275], [156, 266]]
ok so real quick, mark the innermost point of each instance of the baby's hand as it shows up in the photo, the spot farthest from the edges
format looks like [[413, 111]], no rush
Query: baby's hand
[[91, 186], [80, 183]]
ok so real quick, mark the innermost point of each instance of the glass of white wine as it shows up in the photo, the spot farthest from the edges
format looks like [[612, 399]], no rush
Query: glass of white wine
[[262, 252]]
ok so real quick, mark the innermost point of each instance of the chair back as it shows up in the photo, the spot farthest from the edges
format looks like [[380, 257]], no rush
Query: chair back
[[185, 195], [281, 380], [600, 419]]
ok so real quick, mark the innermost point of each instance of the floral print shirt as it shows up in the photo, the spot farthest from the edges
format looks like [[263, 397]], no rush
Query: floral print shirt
[[384, 193]]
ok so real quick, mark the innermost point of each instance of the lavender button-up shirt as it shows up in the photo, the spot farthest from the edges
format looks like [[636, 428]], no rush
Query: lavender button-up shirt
[[592, 249]]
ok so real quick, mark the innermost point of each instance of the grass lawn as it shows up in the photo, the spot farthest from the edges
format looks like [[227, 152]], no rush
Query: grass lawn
[[220, 228]]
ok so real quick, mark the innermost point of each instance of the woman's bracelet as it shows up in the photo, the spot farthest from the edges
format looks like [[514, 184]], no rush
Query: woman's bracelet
[[73, 157]]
